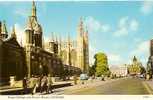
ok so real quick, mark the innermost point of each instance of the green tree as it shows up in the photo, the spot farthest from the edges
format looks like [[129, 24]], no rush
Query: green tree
[[101, 64], [92, 70], [143, 70]]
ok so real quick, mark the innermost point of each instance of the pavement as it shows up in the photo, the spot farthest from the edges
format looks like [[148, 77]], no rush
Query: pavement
[[126, 86], [121, 86], [149, 85], [7, 90], [88, 84]]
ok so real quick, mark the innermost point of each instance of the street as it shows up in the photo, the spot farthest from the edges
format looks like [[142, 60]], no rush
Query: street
[[126, 86]]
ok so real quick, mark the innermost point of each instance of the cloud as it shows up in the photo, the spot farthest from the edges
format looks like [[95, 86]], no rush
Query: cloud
[[20, 34], [126, 25], [92, 52], [147, 7], [121, 32], [21, 12], [123, 21], [142, 48], [137, 40], [114, 59], [141, 51], [134, 25], [95, 25]]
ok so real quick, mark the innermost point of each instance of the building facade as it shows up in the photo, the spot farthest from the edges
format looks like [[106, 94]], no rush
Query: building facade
[[136, 67], [73, 53], [36, 58], [12, 56], [119, 71], [150, 60], [61, 52]]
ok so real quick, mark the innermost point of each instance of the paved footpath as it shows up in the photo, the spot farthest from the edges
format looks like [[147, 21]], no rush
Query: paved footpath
[[7, 90], [150, 85]]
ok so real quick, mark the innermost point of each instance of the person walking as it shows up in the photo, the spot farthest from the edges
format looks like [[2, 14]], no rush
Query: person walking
[[24, 85], [35, 85], [75, 79], [49, 84], [43, 84], [32, 85]]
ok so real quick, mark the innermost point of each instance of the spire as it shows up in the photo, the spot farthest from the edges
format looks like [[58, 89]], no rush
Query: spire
[[60, 39], [69, 50], [60, 45], [80, 27], [13, 34], [29, 24], [56, 38], [86, 33], [4, 29], [52, 36], [0, 26], [33, 9], [151, 47], [134, 59], [68, 38]]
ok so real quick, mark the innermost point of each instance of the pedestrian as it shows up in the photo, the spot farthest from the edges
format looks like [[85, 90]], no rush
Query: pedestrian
[[43, 84], [102, 77], [49, 84], [38, 83], [33, 84], [24, 85], [75, 79], [92, 78]]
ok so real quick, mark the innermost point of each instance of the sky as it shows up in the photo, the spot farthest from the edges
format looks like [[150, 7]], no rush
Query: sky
[[120, 29]]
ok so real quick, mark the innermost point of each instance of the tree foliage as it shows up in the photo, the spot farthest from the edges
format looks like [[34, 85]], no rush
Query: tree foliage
[[92, 70], [101, 64]]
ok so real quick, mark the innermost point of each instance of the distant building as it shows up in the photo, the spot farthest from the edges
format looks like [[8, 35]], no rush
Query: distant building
[[136, 67], [119, 71], [150, 59]]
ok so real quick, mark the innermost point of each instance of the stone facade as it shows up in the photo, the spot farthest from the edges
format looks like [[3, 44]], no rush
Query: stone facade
[[36, 58], [72, 52], [135, 68], [12, 56], [150, 60], [40, 60], [119, 71]]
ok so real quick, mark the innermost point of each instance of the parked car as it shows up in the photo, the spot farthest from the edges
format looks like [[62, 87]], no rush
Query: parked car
[[84, 77], [141, 76]]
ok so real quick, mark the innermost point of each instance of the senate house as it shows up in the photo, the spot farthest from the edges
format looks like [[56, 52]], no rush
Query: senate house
[[56, 57]]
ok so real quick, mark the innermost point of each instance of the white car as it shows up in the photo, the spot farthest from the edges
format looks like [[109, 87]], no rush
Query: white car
[[84, 77]]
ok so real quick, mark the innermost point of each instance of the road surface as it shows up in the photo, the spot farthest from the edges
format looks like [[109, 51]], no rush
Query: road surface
[[127, 86]]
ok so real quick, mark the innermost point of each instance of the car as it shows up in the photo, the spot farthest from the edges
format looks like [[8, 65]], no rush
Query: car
[[84, 77], [141, 76]]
